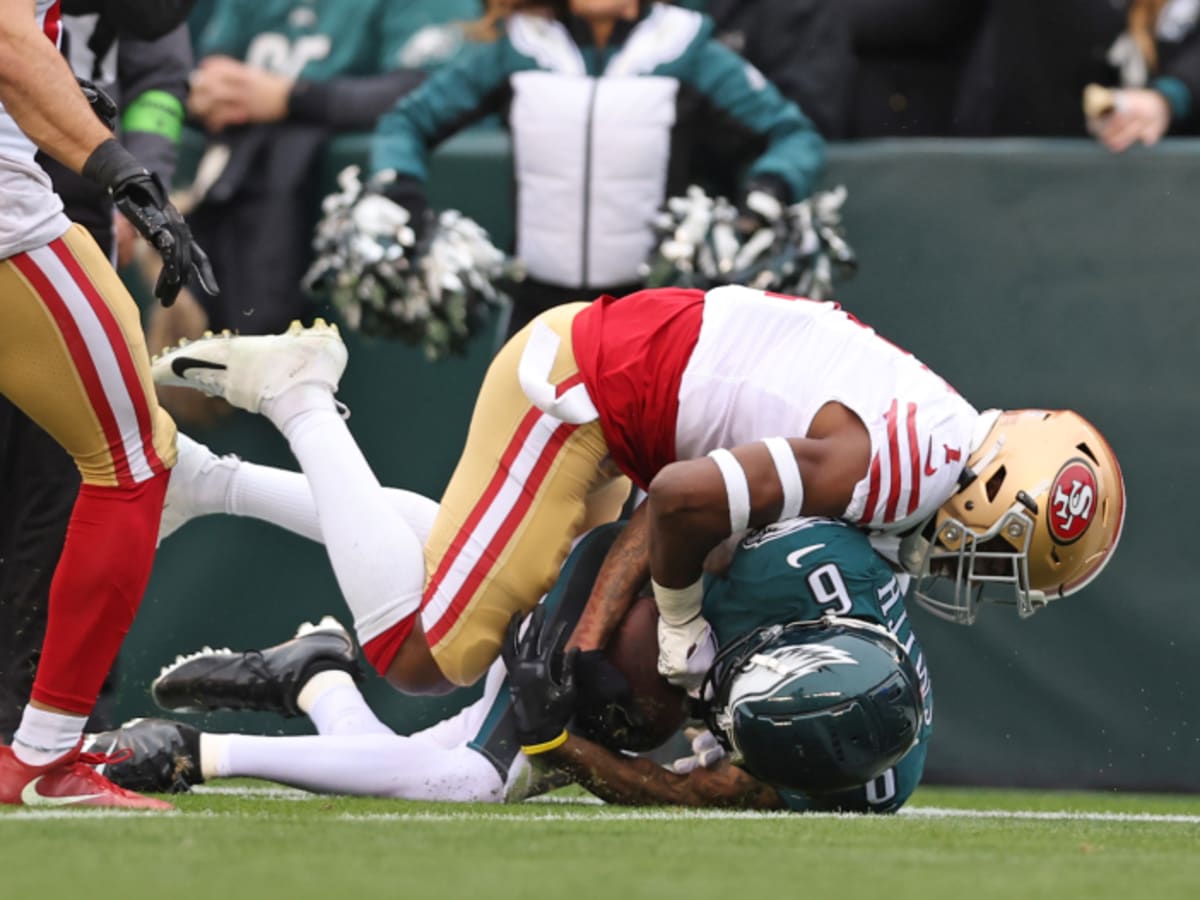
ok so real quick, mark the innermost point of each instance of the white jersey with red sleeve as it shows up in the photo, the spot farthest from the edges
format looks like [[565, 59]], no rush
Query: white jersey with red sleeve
[[764, 365], [31, 213]]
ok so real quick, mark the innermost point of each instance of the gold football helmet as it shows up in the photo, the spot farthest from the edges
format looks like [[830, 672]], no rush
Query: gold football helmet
[[1038, 515]]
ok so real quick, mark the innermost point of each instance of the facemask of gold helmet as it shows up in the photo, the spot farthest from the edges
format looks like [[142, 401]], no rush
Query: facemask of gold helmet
[[1037, 517]]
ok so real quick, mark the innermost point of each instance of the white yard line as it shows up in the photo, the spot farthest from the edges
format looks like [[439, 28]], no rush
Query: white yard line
[[275, 793], [937, 812], [530, 813]]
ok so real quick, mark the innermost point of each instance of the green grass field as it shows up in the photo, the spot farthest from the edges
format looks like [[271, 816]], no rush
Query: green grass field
[[246, 841]]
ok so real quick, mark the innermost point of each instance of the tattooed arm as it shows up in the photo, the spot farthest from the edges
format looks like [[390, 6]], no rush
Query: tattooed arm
[[632, 781], [625, 571]]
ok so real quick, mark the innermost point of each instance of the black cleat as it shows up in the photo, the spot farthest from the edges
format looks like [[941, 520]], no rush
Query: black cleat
[[155, 755], [258, 680]]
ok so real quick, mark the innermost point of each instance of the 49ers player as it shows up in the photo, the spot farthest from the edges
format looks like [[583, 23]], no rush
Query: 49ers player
[[733, 409], [73, 358]]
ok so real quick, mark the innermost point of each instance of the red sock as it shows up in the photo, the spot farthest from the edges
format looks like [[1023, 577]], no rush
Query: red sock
[[97, 589]]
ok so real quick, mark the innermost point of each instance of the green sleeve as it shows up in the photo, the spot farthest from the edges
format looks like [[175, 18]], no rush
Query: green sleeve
[[404, 19], [452, 97], [228, 31], [1179, 98], [795, 150]]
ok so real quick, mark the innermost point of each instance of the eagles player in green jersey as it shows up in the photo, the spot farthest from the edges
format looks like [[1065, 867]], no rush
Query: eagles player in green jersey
[[820, 691], [808, 618]]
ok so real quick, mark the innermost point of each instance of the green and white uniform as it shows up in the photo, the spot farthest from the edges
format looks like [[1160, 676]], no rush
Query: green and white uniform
[[792, 571], [800, 570], [602, 135]]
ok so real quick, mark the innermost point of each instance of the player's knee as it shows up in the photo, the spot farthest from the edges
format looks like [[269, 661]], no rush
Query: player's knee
[[413, 669]]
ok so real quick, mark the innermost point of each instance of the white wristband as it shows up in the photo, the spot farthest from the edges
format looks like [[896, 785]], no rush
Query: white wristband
[[677, 606], [737, 489], [789, 476]]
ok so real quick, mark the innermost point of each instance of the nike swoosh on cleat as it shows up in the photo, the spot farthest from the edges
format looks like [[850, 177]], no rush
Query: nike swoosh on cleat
[[181, 364], [31, 797]]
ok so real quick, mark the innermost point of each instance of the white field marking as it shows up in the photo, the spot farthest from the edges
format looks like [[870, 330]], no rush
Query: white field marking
[[667, 815], [529, 814], [39, 815], [274, 793], [937, 812]]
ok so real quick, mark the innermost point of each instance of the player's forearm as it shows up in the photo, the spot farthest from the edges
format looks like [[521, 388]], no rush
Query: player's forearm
[[687, 516], [40, 93], [624, 572], [350, 103], [629, 781], [632, 781]]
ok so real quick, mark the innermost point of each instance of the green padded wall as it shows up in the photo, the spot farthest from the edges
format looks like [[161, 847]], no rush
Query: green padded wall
[[1027, 273]]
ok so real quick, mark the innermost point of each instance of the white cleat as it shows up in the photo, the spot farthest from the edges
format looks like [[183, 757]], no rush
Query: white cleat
[[248, 369], [189, 482]]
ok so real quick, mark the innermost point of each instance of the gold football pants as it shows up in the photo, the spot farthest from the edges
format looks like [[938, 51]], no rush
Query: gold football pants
[[73, 358], [527, 484]]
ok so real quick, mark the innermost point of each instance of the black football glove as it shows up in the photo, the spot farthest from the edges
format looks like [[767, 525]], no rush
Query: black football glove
[[763, 203], [141, 198], [409, 192], [541, 680]]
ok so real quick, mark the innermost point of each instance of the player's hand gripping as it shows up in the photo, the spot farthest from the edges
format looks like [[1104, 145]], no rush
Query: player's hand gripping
[[541, 680], [686, 652], [706, 752], [142, 199]]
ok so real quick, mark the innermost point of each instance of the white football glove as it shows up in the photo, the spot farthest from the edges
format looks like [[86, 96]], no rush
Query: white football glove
[[685, 652], [706, 752]]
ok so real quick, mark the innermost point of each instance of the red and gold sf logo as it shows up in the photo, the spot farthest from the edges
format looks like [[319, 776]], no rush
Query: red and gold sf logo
[[1072, 501]]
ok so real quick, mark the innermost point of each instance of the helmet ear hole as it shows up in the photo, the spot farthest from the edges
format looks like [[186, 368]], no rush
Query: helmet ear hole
[[992, 488]]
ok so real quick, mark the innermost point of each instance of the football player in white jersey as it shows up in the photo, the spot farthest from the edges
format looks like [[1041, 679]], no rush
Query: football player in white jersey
[[733, 409], [73, 358]]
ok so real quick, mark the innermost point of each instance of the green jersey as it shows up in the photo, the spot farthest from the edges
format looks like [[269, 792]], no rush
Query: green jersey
[[800, 570], [323, 39]]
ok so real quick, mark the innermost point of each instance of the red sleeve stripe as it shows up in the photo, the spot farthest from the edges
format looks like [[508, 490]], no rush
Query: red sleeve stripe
[[52, 23], [893, 500], [494, 521], [868, 513], [914, 458]]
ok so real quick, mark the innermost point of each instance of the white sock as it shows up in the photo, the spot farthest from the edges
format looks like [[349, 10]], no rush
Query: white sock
[[335, 705], [378, 561], [285, 499], [368, 764], [208, 481], [44, 736], [214, 755], [344, 711]]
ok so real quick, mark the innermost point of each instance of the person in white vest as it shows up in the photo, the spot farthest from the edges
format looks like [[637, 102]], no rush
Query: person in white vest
[[606, 101]]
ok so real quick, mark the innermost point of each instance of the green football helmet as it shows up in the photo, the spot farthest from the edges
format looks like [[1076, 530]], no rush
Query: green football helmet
[[815, 706]]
